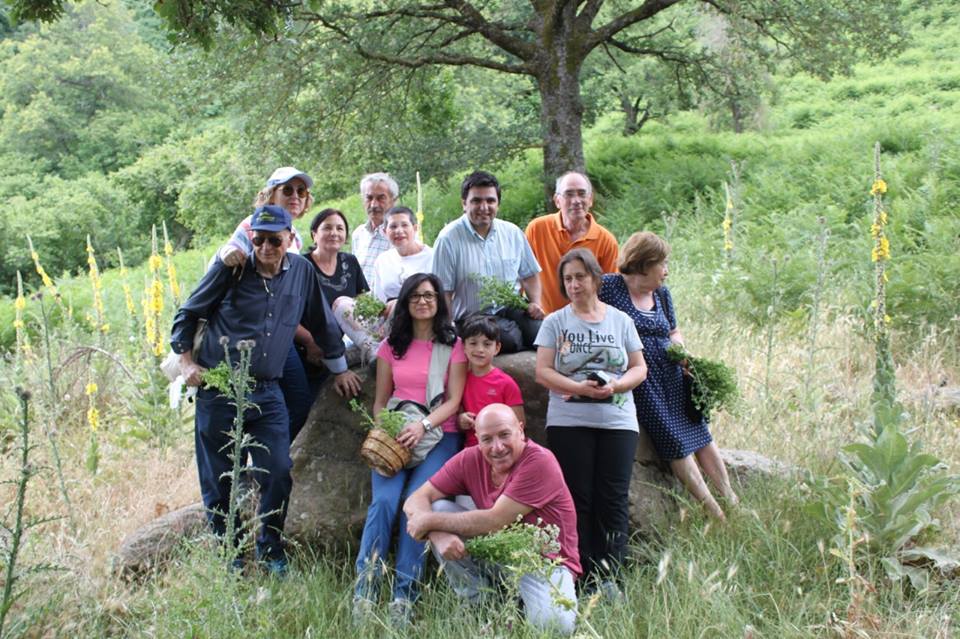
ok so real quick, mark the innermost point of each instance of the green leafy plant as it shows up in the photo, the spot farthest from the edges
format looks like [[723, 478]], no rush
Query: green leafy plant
[[218, 377], [367, 308], [389, 421], [897, 489], [714, 383], [498, 293], [519, 546]]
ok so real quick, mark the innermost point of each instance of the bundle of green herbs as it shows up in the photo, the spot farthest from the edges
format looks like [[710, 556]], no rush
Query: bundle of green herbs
[[520, 547], [714, 383], [367, 308], [498, 293], [389, 421]]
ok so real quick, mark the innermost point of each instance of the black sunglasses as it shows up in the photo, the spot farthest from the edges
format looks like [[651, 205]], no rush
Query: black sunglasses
[[288, 189], [274, 240]]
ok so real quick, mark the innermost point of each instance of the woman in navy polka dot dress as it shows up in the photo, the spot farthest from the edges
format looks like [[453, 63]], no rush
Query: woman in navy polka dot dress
[[661, 403]]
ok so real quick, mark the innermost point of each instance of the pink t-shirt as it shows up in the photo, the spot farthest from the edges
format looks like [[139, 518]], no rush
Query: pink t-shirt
[[410, 373], [535, 481], [496, 387]]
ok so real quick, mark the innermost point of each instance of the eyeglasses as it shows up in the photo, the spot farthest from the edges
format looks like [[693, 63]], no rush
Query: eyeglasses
[[429, 297], [275, 240], [580, 193], [288, 190]]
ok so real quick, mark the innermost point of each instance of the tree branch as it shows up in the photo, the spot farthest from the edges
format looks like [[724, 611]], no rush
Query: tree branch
[[645, 11]]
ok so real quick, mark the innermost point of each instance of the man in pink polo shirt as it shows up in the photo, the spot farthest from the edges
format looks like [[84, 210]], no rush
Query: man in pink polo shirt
[[507, 477]]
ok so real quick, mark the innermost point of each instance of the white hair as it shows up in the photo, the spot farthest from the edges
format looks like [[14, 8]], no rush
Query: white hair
[[556, 188], [377, 178]]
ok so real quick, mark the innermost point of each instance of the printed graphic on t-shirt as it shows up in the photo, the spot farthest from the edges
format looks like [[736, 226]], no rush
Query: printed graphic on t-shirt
[[589, 354]]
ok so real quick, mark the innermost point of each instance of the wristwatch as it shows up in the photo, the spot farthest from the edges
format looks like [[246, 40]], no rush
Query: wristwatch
[[427, 424]]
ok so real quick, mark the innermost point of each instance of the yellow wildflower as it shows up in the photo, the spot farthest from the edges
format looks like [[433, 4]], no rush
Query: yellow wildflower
[[91, 388], [879, 187], [155, 262], [93, 418]]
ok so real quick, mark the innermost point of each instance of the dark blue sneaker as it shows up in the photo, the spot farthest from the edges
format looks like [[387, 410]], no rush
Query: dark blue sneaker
[[276, 567]]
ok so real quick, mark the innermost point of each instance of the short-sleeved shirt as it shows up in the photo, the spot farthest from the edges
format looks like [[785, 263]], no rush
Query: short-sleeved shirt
[[347, 279], [535, 481], [392, 269], [550, 241], [461, 256], [410, 372], [496, 387], [581, 348], [367, 244]]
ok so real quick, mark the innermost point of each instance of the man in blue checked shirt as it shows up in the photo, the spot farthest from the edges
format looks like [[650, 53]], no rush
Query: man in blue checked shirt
[[477, 245], [274, 293]]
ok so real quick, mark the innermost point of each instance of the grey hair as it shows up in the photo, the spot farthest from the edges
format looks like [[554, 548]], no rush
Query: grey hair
[[375, 178], [556, 188]]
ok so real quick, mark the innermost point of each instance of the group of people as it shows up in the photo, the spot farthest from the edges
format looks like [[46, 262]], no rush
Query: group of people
[[598, 315]]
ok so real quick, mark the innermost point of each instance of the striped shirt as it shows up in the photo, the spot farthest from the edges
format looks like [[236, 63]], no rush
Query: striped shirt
[[367, 244]]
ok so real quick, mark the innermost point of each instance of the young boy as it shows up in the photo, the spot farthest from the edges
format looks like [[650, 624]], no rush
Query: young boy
[[486, 384]]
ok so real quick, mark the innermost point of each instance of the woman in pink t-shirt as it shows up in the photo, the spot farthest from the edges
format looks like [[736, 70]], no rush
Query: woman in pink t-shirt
[[421, 319]]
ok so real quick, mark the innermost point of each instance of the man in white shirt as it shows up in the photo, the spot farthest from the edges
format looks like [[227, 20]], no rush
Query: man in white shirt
[[379, 192]]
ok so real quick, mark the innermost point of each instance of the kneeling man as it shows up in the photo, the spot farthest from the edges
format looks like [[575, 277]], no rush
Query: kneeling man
[[507, 477]]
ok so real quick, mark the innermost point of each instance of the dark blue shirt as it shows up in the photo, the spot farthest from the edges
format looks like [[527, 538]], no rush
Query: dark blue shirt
[[266, 310]]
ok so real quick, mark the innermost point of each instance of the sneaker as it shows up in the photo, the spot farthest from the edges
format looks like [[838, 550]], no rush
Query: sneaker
[[400, 613], [611, 592], [236, 566], [363, 611], [276, 567]]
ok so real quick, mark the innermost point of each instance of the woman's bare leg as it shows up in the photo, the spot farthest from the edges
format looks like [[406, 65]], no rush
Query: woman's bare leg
[[713, 467], [688, 473]]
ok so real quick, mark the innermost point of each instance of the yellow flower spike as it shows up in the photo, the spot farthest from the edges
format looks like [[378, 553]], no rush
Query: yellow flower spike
[[91, 388], [155, 262], [93, 418], [879, 187], [20, 303]]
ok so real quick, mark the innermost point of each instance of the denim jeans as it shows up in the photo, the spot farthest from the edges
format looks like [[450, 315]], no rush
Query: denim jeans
[[389, 493]]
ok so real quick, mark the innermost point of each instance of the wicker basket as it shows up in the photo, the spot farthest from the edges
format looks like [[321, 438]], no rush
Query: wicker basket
[[383, 453]]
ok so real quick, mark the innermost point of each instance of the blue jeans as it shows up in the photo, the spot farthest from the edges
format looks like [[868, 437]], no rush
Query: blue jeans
[[389, 493], [268, 425]]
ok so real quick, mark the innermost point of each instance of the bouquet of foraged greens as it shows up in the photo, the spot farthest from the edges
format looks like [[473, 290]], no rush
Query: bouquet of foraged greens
[[520, 547], [498, 293], [714, 384], [381, 450], [367, 308]]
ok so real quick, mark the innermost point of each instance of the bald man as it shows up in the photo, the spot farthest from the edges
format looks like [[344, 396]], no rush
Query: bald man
[[508, 477]]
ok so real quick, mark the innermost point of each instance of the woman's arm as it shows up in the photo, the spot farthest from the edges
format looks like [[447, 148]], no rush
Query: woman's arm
[[636, 373], [384, 387], [548, 377], [676, 337]]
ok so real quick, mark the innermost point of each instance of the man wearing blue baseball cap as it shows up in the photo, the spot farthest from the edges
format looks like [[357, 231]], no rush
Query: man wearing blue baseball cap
[[274, 293]]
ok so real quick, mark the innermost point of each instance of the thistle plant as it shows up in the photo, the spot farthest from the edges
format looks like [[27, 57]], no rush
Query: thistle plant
[[714, 383], [240, 382], [17, 529], [389, 421], [497, 293]]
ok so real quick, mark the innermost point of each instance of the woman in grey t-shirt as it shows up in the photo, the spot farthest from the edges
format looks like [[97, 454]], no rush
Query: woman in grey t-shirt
[[590, 358]]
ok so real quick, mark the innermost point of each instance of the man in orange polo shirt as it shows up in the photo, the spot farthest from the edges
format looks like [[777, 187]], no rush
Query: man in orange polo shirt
[[573, 226]]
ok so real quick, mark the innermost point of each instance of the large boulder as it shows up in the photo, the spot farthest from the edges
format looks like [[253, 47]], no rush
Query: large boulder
[[331, 486]]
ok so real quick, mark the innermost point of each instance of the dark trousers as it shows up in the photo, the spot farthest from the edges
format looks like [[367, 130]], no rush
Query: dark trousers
[[517, 329], [297, 391], [268, 425], [597, 464]]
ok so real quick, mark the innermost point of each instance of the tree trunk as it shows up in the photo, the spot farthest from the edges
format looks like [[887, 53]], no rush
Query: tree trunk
[[561, 116]]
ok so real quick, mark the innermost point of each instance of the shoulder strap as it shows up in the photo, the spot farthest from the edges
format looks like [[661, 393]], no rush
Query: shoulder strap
[[439, 360]]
